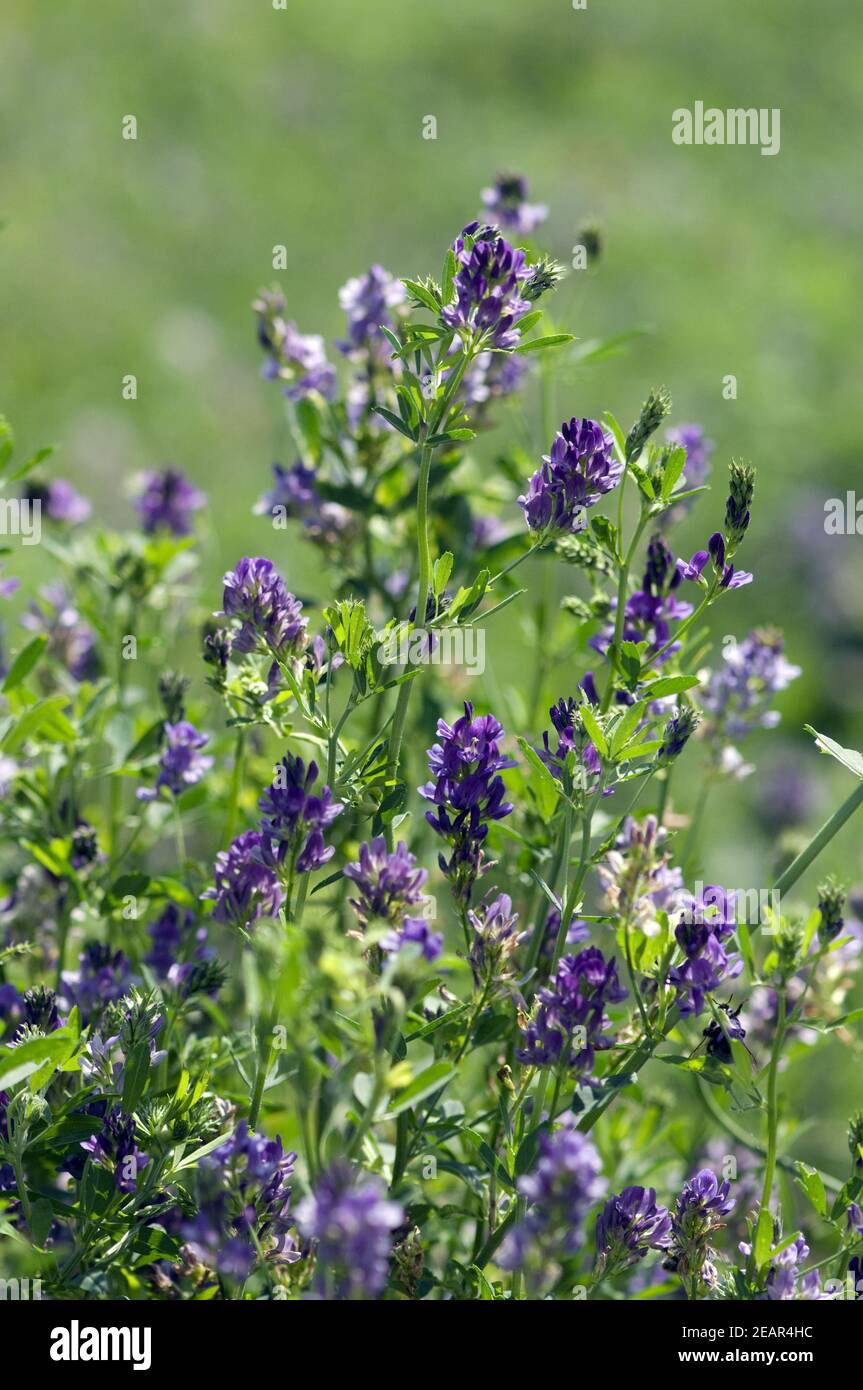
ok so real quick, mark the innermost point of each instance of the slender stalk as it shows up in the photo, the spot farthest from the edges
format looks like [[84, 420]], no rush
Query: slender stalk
[[404, 695], [772, 1103], [236, 784], [736, 1131], [620, 610], [180, 838], [799, 866]]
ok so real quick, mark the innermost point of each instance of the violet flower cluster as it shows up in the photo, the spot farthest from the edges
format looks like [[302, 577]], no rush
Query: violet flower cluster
[[565, 1182], [581, 467], [349, 1222], [467, 793], [569, 1023], [182, 765], [703, 933], [488, 285]]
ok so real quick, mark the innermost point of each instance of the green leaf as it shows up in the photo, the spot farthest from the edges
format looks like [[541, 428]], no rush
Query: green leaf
[[41, 1219], [546, 789], [626, 727], [442, 571], [45, 718], [396, 422], [449, 267], [135, 1076], [667, 685], [672, 471], [422, 295], [540, 344], [433, 1078], [33, 462], [489, 1158], [810, 1181], [17, 1063], [24, 663], [763, 1238], [848, 757], [597, 737]]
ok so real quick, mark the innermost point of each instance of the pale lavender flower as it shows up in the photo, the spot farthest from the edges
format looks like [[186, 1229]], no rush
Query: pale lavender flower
[[168, 502], [414, 932], [639, 879], [506, 203], [350, 1222], [559, 1192], [182, 765]]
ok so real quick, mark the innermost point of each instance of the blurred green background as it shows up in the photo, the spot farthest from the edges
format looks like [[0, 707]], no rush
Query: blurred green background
[[259, 127]]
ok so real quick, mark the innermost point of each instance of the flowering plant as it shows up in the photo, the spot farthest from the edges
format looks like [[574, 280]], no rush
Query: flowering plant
[[319, 980]]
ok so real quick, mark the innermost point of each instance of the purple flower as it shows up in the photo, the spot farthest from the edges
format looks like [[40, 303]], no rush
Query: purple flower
[[627, 1227], [71, 641], [571, 735], [299, 360], [175, 937], [677, 733], [467, 793], [416, 932], [367, 301], [492, 376], [114, 1147], [294, 494], [580, 469], [387, 884], [295, 818], [854, 1217], [245, 887], [506, 204], [652, 609], [181, 765], [702, 932], [168, 502], [103, 975], [494, 940], [560, 1191], [570, 1021], [258, 1172], [487, 283], [270, 616], [698, 1213], [60, 501], [639, 880], [8, 586], [737, 698], [784, 1279], [351, 1222], [692, 569], [37, 1008]]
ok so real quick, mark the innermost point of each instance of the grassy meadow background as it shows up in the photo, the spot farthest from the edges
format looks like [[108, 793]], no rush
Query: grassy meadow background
[[303, 127]]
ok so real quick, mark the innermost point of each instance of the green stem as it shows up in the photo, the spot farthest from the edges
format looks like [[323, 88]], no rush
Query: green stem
[[236, 783], [265, 1061], [818, 843], [736, 1131], [620, 611], [404, 695], [772, 1101], [180, 838]]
